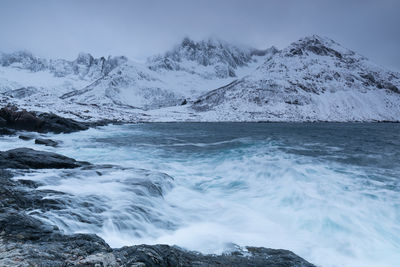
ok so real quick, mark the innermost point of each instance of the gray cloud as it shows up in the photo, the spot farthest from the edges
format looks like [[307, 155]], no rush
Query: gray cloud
[[142, 28]]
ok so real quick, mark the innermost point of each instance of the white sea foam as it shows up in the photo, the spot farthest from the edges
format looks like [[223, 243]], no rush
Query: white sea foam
[[253, 193]]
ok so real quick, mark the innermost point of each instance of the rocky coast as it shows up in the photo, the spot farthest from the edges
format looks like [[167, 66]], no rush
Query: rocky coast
[[26, 240]]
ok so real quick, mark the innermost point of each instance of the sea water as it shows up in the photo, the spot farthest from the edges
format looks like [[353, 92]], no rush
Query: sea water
[[327, 191]]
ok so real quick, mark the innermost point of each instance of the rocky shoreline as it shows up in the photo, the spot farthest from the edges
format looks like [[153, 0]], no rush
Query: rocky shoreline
[[28, 241]]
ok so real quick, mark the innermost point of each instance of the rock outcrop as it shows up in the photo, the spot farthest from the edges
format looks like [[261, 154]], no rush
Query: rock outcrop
[[27, 158], [12, 118], [46, 142]]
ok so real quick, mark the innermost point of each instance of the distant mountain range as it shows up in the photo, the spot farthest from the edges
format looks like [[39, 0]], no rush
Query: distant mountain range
[[313, 79]]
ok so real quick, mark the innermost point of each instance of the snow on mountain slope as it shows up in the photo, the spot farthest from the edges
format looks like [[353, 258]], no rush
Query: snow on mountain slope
[[312, 79], [21, 69], [131, 85], [121, 83], [136, 85], [37, 84]]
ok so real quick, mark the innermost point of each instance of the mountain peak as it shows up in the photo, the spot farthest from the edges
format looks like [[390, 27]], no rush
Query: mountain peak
[[208, 42], [23, 59], [316, 38], [17, 56], [219, 57], [84, 59], [317, 45]]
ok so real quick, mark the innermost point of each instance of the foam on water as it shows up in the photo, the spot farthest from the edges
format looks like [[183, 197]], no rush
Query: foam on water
[[329, 199]]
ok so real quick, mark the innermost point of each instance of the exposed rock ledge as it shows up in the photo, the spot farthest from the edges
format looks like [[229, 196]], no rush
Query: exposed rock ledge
[[13, 118], [27, 241]]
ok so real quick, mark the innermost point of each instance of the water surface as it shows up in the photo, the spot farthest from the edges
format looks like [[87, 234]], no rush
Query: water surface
[[327, 191]]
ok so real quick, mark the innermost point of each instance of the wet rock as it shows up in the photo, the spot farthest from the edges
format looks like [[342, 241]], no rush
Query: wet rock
[[19, 226], [46, 142], [26, 241], [5, 131], [11, 117], [164, 255], [26, 158], [22, 195], [25, 137]]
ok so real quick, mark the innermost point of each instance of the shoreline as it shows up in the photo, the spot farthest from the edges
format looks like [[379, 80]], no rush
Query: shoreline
[[26, 239]]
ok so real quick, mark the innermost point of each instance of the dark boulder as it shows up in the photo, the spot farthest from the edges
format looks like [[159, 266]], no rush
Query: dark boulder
[[27, 241], [20, 226], [25, 137], [57, 124], [26, 158], [46, 142], [11, 117]]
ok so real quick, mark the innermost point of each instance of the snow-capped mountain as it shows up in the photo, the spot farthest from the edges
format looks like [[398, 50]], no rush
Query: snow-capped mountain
[[36, 83], [209, 59], [185, 72], [129, 85], [313, 79], [117, 82]]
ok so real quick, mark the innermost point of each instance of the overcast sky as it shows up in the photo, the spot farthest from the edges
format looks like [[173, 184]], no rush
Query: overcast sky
[[141, 28]]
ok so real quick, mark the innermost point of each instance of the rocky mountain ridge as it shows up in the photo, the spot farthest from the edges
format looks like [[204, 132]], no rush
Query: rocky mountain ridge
[[225, 58], [84, 65]]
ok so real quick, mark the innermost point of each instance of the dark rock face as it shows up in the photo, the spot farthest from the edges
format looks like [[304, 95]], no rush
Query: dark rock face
[[26, 158], [46, 142], [10, 117]]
